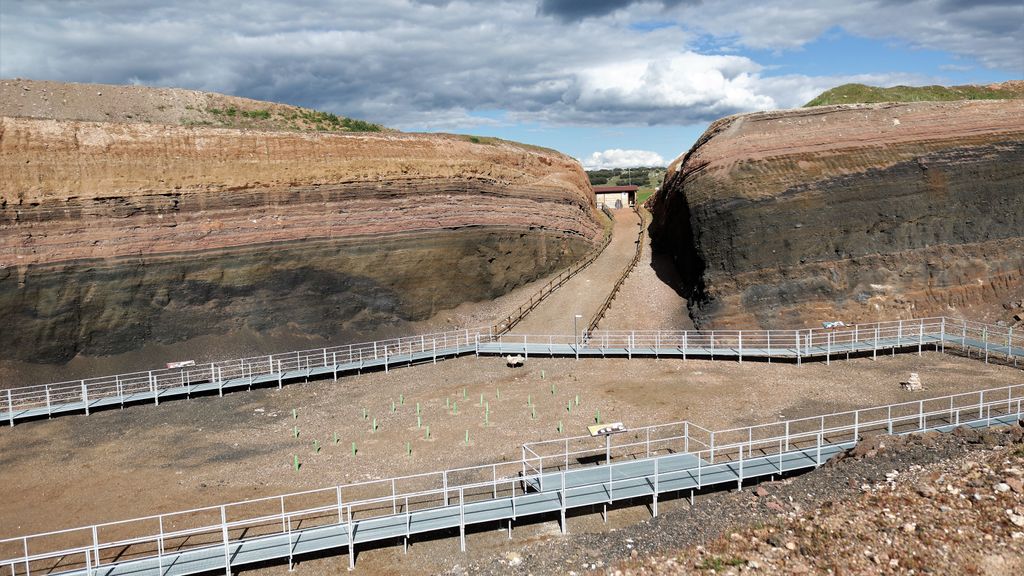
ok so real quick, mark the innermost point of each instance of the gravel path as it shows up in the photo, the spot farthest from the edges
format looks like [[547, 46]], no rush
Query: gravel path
[[649, 297], [585, 292]]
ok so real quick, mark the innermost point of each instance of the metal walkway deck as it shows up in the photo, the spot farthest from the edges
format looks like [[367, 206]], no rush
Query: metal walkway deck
[[552, 477], [84, 396]]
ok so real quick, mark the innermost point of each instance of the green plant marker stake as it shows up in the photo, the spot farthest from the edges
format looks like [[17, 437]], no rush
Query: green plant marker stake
[[541, 374], [316, 446], [401, 399], [374, 424], [559, 426], [392, 406], [295, 414], [336, 438], [568, 406], [408, 449], [417, 408], [529, 400], [467, 437], [419, 422], [533, 413], [365, 415], [353, 448], [552, 389], [295, 431], [577, 399], [597, 417], [295, 462], [428, 432]]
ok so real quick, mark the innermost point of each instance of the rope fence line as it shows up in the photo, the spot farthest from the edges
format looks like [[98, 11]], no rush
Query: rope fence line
[[508, 323]]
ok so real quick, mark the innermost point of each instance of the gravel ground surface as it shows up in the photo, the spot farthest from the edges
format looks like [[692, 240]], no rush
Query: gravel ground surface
[[925, 504], [649, 297], [212, 450]]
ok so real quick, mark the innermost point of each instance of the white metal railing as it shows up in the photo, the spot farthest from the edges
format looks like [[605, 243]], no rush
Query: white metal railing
[[159, 535], [983, 339]]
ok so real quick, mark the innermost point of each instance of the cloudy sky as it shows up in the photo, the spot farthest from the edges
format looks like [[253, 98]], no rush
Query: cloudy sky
[[611, 82]]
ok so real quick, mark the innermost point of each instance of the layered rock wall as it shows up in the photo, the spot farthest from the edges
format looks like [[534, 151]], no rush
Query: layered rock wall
[[854, 212], [113, 235]]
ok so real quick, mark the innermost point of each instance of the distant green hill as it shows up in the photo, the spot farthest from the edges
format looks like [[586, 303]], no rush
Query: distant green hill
[[863, 94]]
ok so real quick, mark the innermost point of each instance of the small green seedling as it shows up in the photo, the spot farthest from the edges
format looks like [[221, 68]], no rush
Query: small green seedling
[[401, 399], [392, 406], [365, 414], [455, 408], [481, 399], [336, 440], [463, 392], [417, 408], [408, 449], [559, 426], [533, 413], [529, 400], [577, 399], [497, 393], [467, 437], [552, 389], [568, 406], [354, 449], [295, 431], [316, 446], [427, 435], [295, 462], [541, 374], [419, 421], [447, 402], [597, 417], [374, 425], [295, 414]]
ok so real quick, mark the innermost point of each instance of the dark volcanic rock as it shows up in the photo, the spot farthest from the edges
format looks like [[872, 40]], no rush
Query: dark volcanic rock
[[854, 212]]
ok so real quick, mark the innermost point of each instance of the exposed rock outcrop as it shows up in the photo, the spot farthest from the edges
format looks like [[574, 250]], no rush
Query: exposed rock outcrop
[[117, 234], [856, 212]]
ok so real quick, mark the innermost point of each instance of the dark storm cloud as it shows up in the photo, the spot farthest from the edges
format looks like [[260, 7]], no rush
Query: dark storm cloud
[[572, 10]]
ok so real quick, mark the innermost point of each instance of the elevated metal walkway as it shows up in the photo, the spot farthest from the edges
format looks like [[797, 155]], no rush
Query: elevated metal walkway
[[84, 396], [552, 477]]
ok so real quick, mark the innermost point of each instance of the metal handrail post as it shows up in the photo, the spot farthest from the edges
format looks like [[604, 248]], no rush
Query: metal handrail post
[[654, 502], [462, 520], [85, 397], [10, 408], [224, 533], [561, 496]]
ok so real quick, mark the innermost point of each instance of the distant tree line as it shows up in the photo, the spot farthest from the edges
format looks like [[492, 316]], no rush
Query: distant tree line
[[640, 175]]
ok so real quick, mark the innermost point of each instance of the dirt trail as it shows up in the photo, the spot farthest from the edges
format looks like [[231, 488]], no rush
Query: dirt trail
[[586, 291], [649, 298]]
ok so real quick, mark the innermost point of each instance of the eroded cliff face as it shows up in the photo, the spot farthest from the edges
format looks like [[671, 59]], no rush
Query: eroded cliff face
[[860, 212], [113, 235]]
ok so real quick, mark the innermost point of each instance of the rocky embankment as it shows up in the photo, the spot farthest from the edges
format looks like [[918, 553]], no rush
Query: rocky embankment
[[117, 234], [854, 213]]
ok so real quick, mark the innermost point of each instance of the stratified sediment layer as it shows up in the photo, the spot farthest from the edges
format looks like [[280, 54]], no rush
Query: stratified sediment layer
[[117, 234], [855, 212]]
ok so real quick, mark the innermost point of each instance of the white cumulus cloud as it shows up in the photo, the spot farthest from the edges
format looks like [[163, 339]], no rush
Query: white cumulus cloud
[[618, 158]]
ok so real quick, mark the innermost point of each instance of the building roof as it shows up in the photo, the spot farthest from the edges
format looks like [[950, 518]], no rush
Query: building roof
[[606, 189]]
